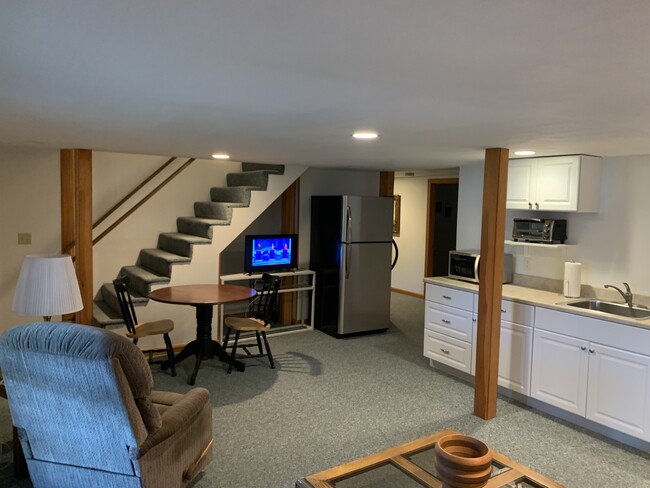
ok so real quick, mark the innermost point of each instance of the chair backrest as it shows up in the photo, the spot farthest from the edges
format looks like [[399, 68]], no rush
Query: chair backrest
[[78, 395], [126, 304], [265, 306]]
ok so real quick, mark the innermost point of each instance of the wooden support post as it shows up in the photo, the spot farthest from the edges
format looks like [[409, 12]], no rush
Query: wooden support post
[[289, 225], [495, 181], [386, 183], [76, 222]]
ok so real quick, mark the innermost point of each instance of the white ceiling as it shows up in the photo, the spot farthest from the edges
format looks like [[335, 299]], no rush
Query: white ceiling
[[288, 81]]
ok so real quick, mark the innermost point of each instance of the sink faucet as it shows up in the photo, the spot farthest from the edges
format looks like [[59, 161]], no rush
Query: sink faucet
[[627, 294]]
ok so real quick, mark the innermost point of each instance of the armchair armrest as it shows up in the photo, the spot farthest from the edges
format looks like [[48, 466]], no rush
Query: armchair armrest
[[179, 413]]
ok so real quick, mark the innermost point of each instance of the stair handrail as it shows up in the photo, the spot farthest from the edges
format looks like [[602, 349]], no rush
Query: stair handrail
[[134, 191], [142, 201]]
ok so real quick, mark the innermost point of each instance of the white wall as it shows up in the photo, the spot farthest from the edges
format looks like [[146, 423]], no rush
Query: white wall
[[611, 244], [29, 203]]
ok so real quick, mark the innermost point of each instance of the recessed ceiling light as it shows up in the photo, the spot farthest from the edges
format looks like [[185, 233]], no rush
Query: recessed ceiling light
[[524, 153], [221, 156], [365, 134]]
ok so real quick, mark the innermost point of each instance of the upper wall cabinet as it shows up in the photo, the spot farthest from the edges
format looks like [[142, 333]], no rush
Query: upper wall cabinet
[[559, 183]]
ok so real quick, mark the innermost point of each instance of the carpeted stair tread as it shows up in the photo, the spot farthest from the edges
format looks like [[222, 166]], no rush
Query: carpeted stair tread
[[213, 210], [198, 226], [104, 316], [276, 169], [161, 261], [232, 194], [180, 243], [141, 278], [257, 179]]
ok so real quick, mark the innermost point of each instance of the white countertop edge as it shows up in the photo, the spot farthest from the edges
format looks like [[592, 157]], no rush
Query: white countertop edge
[[540, 298]]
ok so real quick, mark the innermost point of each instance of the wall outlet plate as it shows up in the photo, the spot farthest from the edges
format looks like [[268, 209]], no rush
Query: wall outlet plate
[[24, 238]]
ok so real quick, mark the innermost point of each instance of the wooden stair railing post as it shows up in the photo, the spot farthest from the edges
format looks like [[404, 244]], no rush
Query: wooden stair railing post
[[495, 181], [76, 223]]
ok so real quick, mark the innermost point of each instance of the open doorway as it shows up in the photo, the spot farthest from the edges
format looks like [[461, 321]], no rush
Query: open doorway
[[442, 215]]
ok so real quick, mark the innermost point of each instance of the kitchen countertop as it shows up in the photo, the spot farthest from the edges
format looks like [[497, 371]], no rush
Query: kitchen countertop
[[541, 298]]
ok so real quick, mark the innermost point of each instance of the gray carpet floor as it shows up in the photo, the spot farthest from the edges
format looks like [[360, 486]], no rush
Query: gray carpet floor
[[330, 401]]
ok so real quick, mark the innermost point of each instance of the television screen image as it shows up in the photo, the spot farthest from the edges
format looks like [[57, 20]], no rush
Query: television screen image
[[270, 252]]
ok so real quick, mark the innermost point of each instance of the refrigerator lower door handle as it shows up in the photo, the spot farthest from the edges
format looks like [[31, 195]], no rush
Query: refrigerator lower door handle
[[347, 261]]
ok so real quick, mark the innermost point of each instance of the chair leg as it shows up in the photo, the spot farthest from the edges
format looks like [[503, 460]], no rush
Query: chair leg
[[170, 353], [233, 356], [259, 342], [268, 350], [225, 339]]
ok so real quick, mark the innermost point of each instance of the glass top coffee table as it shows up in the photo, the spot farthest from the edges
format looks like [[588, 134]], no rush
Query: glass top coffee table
[[412, 465]]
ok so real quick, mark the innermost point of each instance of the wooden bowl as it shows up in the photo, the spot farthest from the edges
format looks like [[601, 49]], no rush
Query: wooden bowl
[[463, 461]]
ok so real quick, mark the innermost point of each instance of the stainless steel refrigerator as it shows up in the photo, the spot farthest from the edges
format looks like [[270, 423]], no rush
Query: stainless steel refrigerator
[[350, 250]]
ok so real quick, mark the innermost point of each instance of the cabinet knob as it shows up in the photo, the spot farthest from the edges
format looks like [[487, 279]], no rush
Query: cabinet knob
[[536, 206], [503, 311], [530, 205], [592, 350], [584, 348], [444, 351]]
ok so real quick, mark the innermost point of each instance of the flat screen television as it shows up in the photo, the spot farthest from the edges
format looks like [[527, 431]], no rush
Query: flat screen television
[[265, 253]]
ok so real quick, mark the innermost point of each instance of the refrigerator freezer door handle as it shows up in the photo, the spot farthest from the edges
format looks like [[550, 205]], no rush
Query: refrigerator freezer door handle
[[348, 224]]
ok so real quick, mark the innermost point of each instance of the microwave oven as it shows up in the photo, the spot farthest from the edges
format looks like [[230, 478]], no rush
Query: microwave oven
[[548, 231], [466, 266]]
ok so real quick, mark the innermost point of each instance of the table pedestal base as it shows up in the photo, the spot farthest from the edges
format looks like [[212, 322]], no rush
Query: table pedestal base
[[203, 347]]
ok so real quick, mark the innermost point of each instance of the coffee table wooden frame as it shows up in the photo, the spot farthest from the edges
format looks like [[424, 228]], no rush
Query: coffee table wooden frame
[[397, 456]]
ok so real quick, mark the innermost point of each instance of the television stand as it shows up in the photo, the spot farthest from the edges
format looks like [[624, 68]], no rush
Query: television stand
[[305, 282]]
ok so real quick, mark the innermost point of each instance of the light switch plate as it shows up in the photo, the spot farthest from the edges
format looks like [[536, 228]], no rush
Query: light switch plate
[[24, 238]]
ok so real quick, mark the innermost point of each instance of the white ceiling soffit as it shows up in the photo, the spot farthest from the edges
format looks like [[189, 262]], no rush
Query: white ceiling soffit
[[288, 81]]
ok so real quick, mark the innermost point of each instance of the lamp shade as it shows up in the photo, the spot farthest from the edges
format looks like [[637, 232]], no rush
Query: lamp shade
[[47, 286]]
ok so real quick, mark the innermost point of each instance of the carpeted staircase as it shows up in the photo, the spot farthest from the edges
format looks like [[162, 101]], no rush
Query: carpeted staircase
[[154, 266]]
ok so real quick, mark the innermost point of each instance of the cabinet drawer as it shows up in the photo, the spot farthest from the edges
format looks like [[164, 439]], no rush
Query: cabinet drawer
[[450, 296], [450, 321], [447, 350], [518, 313]]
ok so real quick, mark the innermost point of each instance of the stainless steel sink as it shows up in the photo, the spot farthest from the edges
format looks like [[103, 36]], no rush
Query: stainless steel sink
[[613, 308]]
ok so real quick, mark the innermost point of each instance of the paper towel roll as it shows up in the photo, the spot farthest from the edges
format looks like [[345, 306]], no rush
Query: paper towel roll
[[572, 279]]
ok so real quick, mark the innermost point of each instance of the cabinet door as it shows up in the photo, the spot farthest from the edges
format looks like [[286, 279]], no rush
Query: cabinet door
[[619, 390], [559, 371], [516, 348], [521, 184], [557, 181]]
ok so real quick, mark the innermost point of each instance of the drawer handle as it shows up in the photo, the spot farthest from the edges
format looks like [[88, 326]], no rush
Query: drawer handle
[[445, 351], [445, 321], [446, 297]]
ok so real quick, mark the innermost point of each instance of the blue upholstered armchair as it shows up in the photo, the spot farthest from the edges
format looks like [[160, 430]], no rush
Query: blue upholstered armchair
[[82, 401]]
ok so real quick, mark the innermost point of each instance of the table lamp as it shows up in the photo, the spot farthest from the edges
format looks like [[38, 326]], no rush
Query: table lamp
[[47, 286]]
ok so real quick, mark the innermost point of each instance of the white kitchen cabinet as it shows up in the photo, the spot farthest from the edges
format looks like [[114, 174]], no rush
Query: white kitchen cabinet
[[618, 390], [559, 183], [559, 371], [515, 345], [574, 371], [515, 353], [448, 326]]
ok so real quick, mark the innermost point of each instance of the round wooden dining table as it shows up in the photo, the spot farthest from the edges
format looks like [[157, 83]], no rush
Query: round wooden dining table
[[203, 298]]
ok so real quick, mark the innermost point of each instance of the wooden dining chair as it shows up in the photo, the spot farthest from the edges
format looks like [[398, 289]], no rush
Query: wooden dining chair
[[136, 330], [262, 312]]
